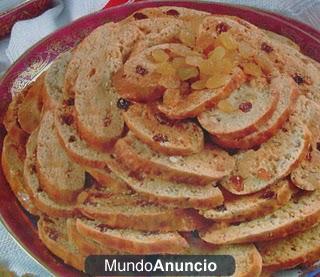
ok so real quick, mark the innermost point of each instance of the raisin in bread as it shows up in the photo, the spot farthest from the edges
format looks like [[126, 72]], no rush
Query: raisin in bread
[[60, 177], [161, 134], [131, 241], [202, 168]]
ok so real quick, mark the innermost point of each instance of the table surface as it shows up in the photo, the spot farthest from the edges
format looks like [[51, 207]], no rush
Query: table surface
[[14, 257]]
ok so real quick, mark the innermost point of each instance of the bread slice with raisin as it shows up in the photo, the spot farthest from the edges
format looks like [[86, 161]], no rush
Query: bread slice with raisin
[[285, 106], [53, 233], [249, 107], [298, 249], [161, 134], [275, 159], [176, 194], [131, 241], [299, 214], [202, 168], [54, 80], [12, 159], [247, 207], [131, 211], [41, 199], [61, 178]]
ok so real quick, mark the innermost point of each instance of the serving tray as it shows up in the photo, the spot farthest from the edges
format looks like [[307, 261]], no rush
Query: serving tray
[[20, 224]]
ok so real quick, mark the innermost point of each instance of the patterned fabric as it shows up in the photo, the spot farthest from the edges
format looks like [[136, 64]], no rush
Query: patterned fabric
[[11, 255]]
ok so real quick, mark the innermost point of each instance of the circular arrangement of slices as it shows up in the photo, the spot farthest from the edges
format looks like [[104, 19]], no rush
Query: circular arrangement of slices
[[184, 132]]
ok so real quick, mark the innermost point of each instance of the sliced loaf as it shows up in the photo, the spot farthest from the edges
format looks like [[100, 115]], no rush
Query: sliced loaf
[[61, 178], [53, 233], [275, 159], [162, 134], [294, 250], [202, 168], [248, 207], [299, 214]]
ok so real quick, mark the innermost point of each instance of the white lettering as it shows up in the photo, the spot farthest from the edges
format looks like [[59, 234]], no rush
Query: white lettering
[[158, 266], [107, 266]]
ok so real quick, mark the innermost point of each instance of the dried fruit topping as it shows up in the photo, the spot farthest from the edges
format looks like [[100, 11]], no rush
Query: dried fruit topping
[[69, 102], [141, 70], [225, 106], [160, 138], [264, 62], [185, 88], [237, 182], [166, 69], [102, 227], [222, 28], [269, 194], [172, 12], [178, 62], [187, 38], [245, 107], [107, 120], [67, 119], [139, 16], [199, 85], [245, 50], [136, 175], [264, 174], [221, 208], [217, 54], [53, 235], [188, 72], [160, 56], [193, 60], [309, 155], [163, 120], [228, 41], [298, 79], [318, 146], [72, 139], [216, 81], [252, 69], [266, 47], [123, 104]]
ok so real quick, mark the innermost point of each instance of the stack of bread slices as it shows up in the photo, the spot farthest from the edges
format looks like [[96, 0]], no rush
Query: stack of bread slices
[[173, 131]]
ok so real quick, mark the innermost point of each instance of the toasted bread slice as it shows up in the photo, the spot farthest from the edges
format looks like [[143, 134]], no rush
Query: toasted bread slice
[[202, 168], [294, 250], [77, 148], [54, 80], [129, 210], [299, 214], [85, 245], [177, 194], [307, 175], [287, 99], [41, 199], [131, 241], [191, 105], [53, 233], [248, 207], [247, 258], [250, 107], [61, 178], [161, 134], [275, 159], [12, 165]]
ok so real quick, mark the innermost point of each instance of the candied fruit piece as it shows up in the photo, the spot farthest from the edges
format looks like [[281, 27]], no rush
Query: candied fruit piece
[[207, 67], [225, 106], [228, 41], [166, 69], [263, 174], [187, 38], [217, 54], [160, 56], [252, 69], [198, 85], [141, 70], [169, 81], [178, 62], [187, 72], [194, 60], [237, 182], [224, 66], [264, 62], [245, 107], [216, 81], [171, 97], [245, 50], [269, 194]]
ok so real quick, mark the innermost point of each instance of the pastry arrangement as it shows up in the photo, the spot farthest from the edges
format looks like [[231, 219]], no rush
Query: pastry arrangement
[[173, 131]]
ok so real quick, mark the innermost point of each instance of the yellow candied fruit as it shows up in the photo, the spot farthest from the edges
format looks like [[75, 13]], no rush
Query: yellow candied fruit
[[169, 81], [187, 38], [178, 62], [199, 85], [224, 66], [264, 62], [217, 54], [160, 56], [166, 69], [207, 67], [245, 50], [252, 69], [194, 60], [225, 106], [228, 41], [171, 97], [216, 81], [188, 72]]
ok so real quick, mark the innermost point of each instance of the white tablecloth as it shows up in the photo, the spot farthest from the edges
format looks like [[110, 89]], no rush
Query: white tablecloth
[[26, 33]]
